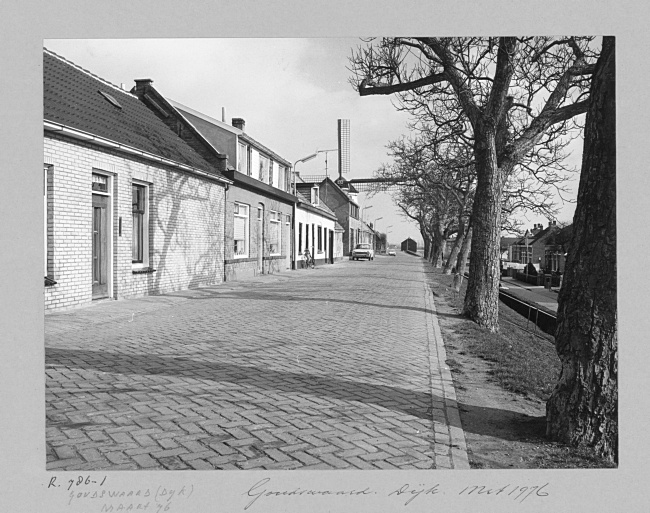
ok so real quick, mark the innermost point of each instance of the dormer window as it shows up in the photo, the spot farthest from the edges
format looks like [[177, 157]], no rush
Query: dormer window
[[314, 196], [243, 159]]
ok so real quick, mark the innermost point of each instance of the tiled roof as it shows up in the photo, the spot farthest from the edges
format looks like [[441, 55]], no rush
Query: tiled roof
[[321, 206], [212, 131], [78, 99]]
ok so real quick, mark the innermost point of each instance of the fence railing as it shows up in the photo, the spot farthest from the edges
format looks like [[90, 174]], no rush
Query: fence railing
[[541, 319]]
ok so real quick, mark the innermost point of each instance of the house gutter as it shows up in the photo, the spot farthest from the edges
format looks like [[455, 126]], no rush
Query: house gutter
[[51, 126]]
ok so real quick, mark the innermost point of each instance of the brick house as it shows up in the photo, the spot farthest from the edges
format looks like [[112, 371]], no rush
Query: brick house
[[343, 202], [259, 204], [129, 208], [531, 248], [315, 228], [555, 249]]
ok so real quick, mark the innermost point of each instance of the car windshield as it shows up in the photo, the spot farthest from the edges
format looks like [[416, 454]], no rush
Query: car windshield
[[363, 246]]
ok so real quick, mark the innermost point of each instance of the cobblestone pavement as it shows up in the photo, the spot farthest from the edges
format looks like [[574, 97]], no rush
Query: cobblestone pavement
[[339, 367]]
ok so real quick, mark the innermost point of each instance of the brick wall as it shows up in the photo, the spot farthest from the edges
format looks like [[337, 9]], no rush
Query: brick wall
[[186, 214], [238, 268]]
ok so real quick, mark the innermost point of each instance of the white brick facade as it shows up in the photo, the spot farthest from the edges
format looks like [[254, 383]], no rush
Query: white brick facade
[[186, 224]]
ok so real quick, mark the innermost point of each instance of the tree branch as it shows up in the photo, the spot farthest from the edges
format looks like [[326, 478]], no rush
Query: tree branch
[[367, 88]]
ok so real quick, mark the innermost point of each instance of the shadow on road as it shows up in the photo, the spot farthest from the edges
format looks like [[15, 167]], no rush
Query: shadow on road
[[412, 403]]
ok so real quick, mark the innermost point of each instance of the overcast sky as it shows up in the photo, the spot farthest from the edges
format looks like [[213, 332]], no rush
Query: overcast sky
[[290, 92]]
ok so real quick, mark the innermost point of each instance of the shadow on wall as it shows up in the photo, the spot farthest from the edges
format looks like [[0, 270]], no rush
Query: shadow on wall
[[192, 240]]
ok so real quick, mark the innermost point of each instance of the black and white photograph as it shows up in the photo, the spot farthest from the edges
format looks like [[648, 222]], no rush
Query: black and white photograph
[[275, 261]]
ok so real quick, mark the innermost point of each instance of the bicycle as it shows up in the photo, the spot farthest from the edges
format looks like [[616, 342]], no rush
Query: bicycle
[[309, 259]]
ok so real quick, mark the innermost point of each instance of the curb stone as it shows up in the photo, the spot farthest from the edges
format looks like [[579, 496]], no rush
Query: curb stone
[[455, 456]]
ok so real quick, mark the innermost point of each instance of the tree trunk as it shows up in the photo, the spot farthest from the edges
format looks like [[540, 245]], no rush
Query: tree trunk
[[427, 244], [482, 297], [441, 254], [583, 408], [464, 252], [455, 249]]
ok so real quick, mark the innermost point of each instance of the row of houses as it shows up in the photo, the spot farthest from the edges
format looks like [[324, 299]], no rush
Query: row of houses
[[545, 248], [143, 195]]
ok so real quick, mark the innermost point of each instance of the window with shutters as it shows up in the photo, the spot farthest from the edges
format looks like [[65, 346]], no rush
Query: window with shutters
[[240, 236], [275, 230]]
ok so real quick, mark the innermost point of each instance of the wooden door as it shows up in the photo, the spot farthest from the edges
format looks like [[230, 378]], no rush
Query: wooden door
[[260, 239], [331, 246], [100, 246]]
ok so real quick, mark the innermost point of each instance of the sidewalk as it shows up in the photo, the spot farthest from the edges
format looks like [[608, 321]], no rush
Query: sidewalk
[[531, 293], [337, 367]]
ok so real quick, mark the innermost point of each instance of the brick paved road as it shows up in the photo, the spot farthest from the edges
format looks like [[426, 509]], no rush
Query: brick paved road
[[332, 368]]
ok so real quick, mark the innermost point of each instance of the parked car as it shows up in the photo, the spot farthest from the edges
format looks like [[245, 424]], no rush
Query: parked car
[[363, 250], [391, 252]]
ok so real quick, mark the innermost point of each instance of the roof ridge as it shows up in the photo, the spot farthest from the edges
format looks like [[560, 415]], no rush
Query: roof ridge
[[84, 70]]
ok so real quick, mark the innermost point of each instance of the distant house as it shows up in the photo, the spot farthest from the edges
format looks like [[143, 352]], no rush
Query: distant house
[[343, 202], [409, 245], [130, 209], [505, 248], [555, 249], [531, 248], [315, 228], [259, 203]]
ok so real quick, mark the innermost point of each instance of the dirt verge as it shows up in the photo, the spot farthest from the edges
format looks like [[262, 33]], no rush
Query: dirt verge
[[503, 428]]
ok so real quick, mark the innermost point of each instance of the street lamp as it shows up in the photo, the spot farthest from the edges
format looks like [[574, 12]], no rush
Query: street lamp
[[364, 210], [304, 159]]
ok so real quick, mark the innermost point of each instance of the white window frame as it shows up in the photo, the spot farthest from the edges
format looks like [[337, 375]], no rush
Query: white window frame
[[264, 168], [46, 169], [145, 225], [315, 200], [243, 161], [319, 236], [275, 225], [282, 180], [242, 211]]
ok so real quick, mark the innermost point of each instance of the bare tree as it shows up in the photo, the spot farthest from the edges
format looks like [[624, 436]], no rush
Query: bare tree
[[583, 407], [507, 97]]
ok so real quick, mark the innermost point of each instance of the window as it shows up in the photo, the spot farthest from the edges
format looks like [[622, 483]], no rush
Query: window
[[243, 160], [46, 212], [271, 173], [522, 254], [264, 168], [299, 237], [320, 239], [240, 231], [275, 227], [140, 233], [314, 196], [100, 183], [281, 178]]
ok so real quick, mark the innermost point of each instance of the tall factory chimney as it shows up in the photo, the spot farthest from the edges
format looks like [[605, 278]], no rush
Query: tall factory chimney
[[344, 147]]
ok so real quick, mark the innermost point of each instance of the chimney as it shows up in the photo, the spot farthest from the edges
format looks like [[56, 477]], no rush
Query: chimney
[[239, 123], [223, 114], [141, 86]]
